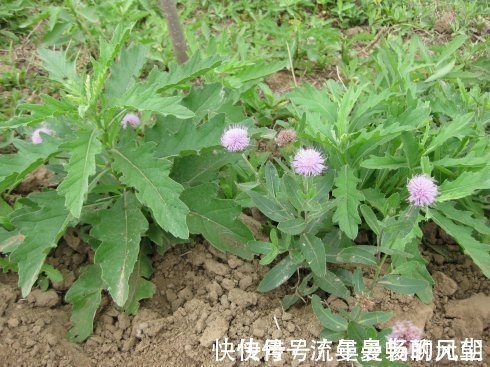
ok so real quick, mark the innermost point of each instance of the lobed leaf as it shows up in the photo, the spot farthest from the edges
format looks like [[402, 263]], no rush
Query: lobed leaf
[[119, 229], [149, 176]]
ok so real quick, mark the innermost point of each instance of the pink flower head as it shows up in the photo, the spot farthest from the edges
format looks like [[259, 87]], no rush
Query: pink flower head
[[309, 162], [235, 138], [36, 137], [422, 189], [407, 331], [132, 119]]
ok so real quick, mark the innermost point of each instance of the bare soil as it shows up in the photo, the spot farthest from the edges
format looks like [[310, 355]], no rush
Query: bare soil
[[203, 295]]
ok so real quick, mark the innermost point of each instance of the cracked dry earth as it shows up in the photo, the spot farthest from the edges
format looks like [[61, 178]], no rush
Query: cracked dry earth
[[203, 295]]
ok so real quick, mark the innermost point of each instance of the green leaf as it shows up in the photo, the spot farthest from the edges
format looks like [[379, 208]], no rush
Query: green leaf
[[465, 185], [80, 167], [456, 128], [193, 68], [119, 229], [52, 273], [61, 69], [479, 252], [139, 287], [271, 207], [464, 217], [293, 226], [196, 169], [371, 219], [373, 318], [42, 220], [188, 137], [441, 72], [14, 167], [348, 199], [326, 317], [278, 275], [155, 103], [124, 73], [313, 250], [217, 220], [149, 176], [387, 162], [50, 108], [107, 53], [85, 296], [257, 71], [331, 283], [356, 255], [402, 284]]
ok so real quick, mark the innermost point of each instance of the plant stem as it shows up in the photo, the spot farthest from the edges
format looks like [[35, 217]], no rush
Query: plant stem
[[175, 29], [378, 271]]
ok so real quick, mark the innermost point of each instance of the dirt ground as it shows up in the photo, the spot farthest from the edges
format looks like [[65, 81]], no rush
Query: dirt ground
[[203, 295]]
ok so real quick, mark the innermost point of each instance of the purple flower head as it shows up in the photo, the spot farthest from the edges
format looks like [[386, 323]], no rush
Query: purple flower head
[[235, 138], [36, 137], [406, 330], [309, 162], [422, 189], [132, 119], [285, 137]]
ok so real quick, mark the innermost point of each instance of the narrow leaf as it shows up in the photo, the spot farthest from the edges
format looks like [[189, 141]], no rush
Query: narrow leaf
[[277, 275], [314, 252]]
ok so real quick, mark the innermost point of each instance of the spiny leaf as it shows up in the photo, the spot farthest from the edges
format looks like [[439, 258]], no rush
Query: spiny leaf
[[465, 185], [479, 252], [39, 112], [85, 296], [119, 229], [217, 220], [149, 176], [80, 167], [42, 220], [193, 170], [139, 287], [14, 167], [61, 69], [348, 198], [124, 73], [188, 137]]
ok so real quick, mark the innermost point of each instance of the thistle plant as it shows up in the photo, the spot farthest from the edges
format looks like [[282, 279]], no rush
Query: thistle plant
[[136, 167]]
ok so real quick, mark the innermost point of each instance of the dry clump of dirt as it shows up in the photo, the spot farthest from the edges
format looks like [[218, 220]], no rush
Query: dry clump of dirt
[[444, 22], [203, 295]]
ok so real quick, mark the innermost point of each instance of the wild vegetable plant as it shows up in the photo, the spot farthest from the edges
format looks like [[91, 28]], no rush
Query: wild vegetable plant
[[136, 168]]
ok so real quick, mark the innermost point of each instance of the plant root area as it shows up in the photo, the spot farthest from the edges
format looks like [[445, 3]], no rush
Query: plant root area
[[202, 295]]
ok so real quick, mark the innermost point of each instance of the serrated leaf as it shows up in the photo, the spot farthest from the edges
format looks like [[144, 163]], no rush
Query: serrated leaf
[[331, 283], [80, 167], [455, 128], [188, 137], [326, 317], [196, 169], [217, 220], [401, 284], [479, 252], [348, 199], [124, 73], [279, 274], [42, 220], [149, 176], [373, 318], [271, 207], [61, 69], [14, 167], [139, 287], [464, 217], [85, 297], [119, 229], [39, 112], [465, 185], [313, 250]]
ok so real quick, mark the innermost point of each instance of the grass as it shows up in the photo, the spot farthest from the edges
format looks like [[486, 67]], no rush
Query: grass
[[321, 37]]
